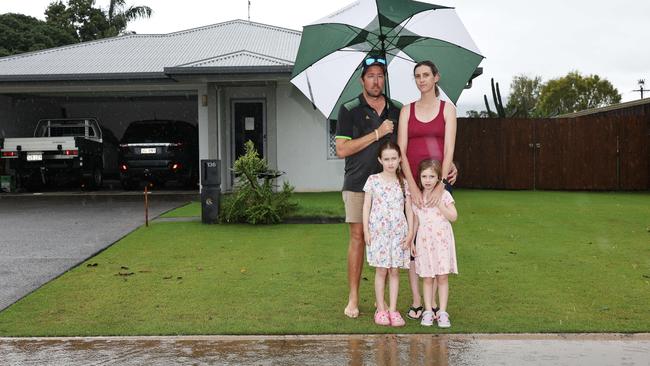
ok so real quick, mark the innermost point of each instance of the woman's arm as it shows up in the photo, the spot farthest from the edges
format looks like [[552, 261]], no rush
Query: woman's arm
[[450, 143], [409, 220], [367, 203], [402, 141], [450, 139], [416, 224]]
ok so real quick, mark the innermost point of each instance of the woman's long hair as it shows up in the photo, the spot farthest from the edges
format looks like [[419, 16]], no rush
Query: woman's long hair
[[389, 145], [434, 71]]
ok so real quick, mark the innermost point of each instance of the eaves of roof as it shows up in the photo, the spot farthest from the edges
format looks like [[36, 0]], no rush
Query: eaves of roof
[[83, 77], [168, 74], [228, 70]]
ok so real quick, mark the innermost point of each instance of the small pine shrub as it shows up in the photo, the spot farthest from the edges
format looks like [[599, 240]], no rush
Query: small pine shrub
[[254, 200]]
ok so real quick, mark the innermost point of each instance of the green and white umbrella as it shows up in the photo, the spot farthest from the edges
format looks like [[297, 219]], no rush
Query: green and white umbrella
[[328, 65]]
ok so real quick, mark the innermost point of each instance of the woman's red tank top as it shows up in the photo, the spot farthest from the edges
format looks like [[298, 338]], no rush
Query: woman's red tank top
[[426, 140]]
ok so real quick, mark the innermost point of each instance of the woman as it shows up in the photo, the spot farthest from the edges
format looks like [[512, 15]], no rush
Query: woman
[[426, 130]]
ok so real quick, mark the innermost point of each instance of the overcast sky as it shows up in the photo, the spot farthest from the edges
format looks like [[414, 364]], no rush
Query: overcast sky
[[545, 38]]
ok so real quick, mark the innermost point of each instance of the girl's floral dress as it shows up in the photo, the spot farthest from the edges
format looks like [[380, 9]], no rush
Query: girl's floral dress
[[434, 244], [387, 224]]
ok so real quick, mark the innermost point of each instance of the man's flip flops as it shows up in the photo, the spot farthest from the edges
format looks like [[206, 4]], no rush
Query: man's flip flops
[[417, 311]]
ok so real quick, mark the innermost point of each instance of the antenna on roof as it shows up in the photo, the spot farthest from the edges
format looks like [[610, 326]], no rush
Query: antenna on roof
[[249, 10], [641, 84]]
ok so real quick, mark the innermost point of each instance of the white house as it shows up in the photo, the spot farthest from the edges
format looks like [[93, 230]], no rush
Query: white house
[[231, 78]]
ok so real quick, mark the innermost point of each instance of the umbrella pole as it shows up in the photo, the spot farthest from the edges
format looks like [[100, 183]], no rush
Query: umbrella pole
[[387, 82]]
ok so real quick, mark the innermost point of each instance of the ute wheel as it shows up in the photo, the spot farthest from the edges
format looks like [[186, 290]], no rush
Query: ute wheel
[[98, 178], [95, 181]]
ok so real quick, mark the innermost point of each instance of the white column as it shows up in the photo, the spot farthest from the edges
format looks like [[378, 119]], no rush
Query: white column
[[208, 123], [204, 122]]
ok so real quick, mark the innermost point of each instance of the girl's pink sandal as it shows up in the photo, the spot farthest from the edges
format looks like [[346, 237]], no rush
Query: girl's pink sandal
[[396, 319], [381, 318]]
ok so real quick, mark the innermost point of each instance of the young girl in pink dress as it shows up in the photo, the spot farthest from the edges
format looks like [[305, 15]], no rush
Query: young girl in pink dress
[[434, 251], [387, 230]]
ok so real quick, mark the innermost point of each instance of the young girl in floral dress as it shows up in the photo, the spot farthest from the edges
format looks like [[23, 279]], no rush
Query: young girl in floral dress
[[434, 250], [387, 230]]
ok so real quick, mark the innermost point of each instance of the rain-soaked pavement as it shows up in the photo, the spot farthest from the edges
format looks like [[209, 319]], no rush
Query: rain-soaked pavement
[[480, 349]]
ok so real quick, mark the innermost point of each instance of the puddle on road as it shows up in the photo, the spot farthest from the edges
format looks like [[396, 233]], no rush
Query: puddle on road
[[333, 350]]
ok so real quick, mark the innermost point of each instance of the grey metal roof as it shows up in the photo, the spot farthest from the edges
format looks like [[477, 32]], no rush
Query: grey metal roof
[[239, 59], [236, 43]]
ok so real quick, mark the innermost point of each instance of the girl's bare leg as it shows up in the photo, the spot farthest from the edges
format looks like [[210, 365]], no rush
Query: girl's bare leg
[[380, 283], [428, 289], [393, 288], [443, 291]]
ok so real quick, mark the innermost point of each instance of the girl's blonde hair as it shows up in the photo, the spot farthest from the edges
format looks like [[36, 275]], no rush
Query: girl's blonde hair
[[389, 145], [428, 164]]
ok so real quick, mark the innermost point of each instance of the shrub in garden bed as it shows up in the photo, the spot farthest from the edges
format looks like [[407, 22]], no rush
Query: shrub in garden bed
[[254, 199]]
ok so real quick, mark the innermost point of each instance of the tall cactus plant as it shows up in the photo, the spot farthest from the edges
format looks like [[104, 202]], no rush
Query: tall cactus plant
[[498, 104], [487, 105]]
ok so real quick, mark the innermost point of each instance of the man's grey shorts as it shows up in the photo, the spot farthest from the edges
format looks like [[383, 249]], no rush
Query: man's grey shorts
[[353, 206]]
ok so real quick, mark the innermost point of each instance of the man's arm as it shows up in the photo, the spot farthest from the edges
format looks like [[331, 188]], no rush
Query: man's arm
[[346, 147]]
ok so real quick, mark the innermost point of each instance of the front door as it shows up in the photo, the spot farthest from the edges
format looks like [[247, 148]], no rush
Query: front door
[[249, 124]]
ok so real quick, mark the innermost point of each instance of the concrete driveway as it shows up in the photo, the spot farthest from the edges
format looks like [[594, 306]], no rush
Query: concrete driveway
[[42, 236]]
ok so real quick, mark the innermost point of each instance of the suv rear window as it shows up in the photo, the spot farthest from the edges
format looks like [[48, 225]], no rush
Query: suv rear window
[[150, 132]]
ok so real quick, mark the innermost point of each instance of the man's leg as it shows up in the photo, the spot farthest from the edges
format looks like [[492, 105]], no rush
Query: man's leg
[[356, 248], [414, 281]]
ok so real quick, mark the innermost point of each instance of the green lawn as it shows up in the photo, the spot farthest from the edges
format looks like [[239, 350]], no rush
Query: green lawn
[[320, 204], [529, 262]]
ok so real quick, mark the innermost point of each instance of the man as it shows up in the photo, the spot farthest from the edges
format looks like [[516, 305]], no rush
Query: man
[[364, 123]]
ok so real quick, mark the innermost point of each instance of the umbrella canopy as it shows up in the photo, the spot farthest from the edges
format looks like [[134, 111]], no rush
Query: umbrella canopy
[[328, 64]]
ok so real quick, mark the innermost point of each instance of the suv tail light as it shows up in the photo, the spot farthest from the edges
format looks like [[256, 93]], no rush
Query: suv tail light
[[72, 152], [175, 166], [9, 154], [124, 168]]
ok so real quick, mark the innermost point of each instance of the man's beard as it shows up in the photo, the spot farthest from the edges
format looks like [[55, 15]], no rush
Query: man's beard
[[375, 92]]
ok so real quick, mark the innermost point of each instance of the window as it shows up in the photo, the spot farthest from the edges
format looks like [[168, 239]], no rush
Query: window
[[331, 139], [58, 131]]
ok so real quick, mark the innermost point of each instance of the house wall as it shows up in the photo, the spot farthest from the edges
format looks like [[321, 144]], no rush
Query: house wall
[[302, 143]]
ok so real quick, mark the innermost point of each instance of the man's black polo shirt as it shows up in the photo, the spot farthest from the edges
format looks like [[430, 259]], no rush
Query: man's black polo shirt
[[357, 119]]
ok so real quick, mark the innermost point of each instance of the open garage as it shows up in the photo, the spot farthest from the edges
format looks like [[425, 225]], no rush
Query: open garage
[[114, 111]]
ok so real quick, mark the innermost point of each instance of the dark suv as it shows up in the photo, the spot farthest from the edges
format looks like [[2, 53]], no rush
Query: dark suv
[[157, 151]]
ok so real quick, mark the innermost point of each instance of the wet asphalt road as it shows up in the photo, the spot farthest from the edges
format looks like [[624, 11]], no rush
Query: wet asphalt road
[[42, 236], [443, 350]]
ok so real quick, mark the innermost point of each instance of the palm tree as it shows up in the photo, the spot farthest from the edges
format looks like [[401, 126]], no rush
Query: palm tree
[[119, 15]]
